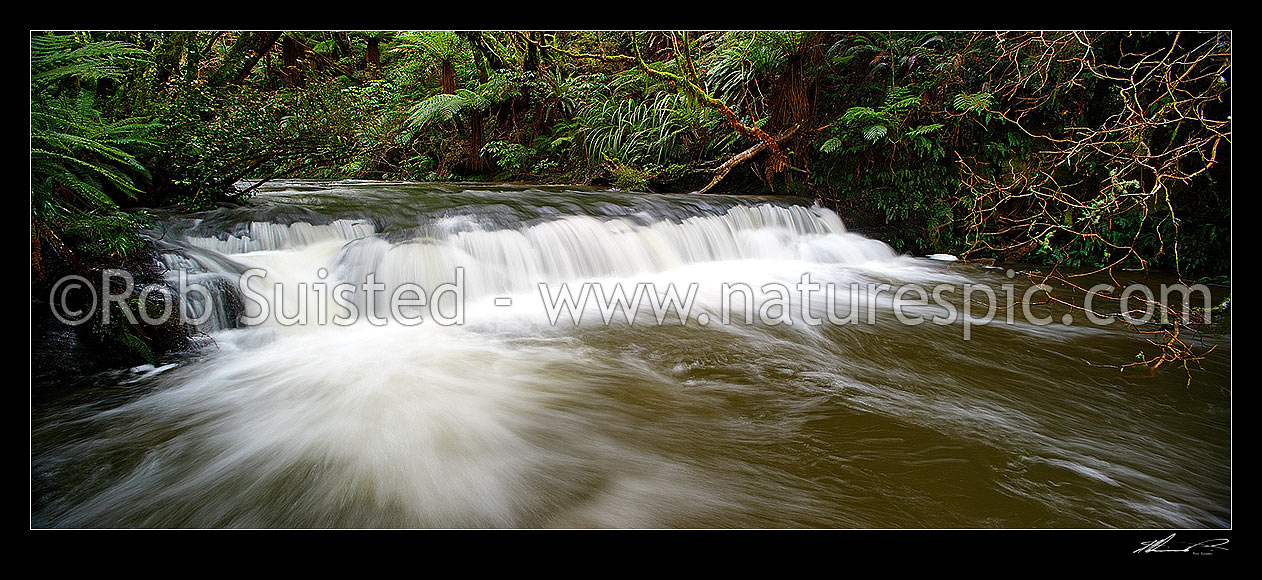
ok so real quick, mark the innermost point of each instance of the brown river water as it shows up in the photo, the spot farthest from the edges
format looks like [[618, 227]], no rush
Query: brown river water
[[494, 404]]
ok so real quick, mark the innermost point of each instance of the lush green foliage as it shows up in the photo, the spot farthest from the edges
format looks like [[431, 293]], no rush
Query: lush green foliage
[[81, 162], [1082, 149]]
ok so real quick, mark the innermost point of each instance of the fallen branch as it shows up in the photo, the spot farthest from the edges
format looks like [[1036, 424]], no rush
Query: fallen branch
[[721, 171]]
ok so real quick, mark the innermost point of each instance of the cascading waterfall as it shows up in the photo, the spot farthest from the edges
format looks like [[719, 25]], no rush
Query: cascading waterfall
[[511, 261], [510, 419]]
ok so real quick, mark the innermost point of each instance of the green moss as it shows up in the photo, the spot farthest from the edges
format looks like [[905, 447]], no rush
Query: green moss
[[629, 178]]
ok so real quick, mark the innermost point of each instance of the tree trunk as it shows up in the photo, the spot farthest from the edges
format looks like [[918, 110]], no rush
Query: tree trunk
[[241, 58], [343, 42], [166, 57], [791, 99], [291, 51], [478, 41], [194, 57], [449, 77], [477, 162], [449, 87], [477, 138], [534, 52], [372, 57], [531, 63]]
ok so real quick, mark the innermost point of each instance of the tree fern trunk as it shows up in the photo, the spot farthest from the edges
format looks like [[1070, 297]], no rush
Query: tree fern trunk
[[476, 132], [791, 100], [449, 77], [290, 52], [372, 56], [476, 140]]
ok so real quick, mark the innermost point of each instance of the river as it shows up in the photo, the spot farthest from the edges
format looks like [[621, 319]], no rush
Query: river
[[476, 397]]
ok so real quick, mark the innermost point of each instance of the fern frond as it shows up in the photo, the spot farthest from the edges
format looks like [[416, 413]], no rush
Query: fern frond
[[438, 108], [874, 132], [973, 103], [119, 180], [924, 130], [55, 58], [831, 145]]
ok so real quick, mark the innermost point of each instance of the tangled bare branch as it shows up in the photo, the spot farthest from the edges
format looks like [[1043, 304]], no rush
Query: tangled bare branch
[[1152, 124]]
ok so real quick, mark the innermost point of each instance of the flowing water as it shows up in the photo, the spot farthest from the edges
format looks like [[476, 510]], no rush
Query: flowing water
[[490, 406]]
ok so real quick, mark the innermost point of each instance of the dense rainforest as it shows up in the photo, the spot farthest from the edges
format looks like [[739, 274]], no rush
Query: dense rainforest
[[1082, 149]]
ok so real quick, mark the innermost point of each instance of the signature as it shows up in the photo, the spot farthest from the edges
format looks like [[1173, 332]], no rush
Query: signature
[[1165, 545]]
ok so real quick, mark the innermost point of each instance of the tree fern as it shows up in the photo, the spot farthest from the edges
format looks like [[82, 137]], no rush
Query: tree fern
[[444, 107], [741, 58], [81, 162], [56, 58], [887, 122]]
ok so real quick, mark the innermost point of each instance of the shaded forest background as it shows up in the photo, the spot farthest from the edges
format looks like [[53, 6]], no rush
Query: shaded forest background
[[1090, 150], [1076, 148]]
